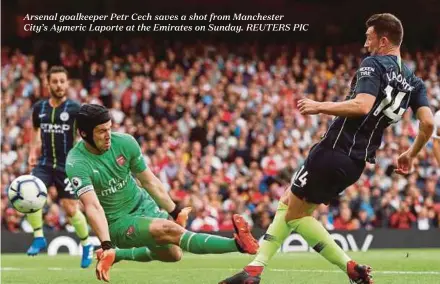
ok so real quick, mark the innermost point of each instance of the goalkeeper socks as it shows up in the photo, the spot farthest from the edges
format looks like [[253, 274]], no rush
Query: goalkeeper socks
[[142, 254], [36, 221], [277, 232], [205, 244], [79, 222], [321, 241]]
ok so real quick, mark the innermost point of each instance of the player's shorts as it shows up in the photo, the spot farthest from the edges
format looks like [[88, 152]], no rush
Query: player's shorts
[[133, 230], [55, 177], [325, 174]]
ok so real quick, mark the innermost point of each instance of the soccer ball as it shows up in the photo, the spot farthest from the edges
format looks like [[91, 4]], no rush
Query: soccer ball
[[27, 194]]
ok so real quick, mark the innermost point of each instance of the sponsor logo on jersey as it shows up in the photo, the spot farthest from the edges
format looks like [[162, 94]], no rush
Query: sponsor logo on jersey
[[366, 71], [54, 128], [121, 160], [64, 116], [41, 115], [115, 185]]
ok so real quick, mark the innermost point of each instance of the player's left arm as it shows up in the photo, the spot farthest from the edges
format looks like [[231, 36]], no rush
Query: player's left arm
[[148, 180], [367, 88], [426, 128], [159, 193], [419, 104], [156, 189]]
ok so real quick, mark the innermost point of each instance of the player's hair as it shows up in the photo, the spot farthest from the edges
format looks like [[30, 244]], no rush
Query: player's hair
[[387, 25], [57, 69]]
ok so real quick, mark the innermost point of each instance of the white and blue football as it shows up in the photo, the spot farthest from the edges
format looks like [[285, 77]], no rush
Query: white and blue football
[[27, 194]]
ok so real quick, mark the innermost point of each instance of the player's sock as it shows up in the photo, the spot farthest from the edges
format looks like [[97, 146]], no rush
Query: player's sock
[[142, 254], [79, 222], [36, 221], [204, 244], [321, 241], [277, 232]]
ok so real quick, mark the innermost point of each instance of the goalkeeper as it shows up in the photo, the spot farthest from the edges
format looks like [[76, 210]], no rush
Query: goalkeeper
[[125, 215]]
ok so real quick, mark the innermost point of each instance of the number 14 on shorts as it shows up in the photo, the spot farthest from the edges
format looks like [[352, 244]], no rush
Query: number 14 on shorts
[[300, 177]]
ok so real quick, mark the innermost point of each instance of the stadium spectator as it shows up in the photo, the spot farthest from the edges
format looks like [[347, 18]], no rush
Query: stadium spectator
[[204, 222], [219, 125], [403, 218], [345, 221], [9, 156]]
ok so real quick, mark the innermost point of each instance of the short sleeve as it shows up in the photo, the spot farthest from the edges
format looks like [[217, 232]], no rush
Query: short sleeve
[[35, 115], [419, 97], [368, 77], [137, 161], [79, 177]]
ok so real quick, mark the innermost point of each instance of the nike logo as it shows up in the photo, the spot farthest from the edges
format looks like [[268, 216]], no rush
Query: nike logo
[[42, 115], [95, 171]]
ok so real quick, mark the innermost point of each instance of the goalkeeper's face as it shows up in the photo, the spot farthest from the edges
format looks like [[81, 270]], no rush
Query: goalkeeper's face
[[102, 136]]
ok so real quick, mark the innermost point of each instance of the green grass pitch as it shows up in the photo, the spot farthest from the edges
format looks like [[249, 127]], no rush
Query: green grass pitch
[[390, 266]]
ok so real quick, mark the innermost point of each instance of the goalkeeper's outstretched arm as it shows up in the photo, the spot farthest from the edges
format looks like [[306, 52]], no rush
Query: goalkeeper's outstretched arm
[[95, 214], [156, 189]]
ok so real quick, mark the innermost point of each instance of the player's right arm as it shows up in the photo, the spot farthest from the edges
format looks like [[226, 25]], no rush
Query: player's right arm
[[95, 215], [97, 220], [79, 177], [436, 136], [36, 137], [366, 90], [34, 148]]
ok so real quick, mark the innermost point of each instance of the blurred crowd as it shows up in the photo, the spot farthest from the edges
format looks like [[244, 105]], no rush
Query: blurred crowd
[[218, 124]]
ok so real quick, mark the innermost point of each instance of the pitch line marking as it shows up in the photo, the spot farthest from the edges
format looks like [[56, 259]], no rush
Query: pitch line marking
[[233, 269]]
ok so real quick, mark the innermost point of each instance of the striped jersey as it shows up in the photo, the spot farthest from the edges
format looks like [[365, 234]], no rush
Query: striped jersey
[[58, 131], [395, 87]]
